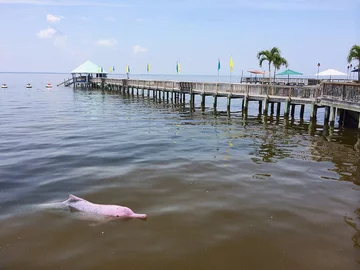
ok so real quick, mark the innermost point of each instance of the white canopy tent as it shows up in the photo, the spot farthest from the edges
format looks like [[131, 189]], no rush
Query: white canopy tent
[[331, 72]]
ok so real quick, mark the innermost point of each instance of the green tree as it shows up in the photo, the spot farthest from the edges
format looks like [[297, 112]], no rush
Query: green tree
[[272, 57], [354, 54], [278, 62]]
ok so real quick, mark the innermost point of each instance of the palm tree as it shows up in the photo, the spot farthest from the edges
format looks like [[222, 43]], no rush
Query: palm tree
[[278, 62], [272, 56], [354, 54]]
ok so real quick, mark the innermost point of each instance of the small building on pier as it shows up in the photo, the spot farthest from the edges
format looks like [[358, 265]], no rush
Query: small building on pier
[[82, 75]]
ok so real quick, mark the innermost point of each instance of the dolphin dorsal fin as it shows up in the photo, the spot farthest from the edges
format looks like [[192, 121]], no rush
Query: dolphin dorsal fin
[[74, 198]]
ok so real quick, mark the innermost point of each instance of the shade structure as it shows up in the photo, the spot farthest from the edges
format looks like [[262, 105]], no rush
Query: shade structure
[[355, 70], [330, 72], [88, 67], [289, 72], [256, 72]]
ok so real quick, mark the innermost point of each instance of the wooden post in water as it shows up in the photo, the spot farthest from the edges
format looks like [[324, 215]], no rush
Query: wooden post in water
[[332, 116], [278, 108], [191, 100], [313, 111], [203, 102], [302, 110], [260, 106], [292, 113], [245, 103], [215, 103], [228, 103], [287, 107], [266, 105], [326, 115]]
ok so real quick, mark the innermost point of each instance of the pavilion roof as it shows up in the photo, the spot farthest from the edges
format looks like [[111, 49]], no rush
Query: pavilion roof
[[88, 67]]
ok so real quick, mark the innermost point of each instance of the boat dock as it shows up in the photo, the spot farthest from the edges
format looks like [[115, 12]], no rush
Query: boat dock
[[337, 98], [341, 99]]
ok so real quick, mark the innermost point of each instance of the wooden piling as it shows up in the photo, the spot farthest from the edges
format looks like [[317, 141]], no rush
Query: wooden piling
[[266, 105], [292, 113], [203, 102], [326, 115], [228, 103], [313, 111], [278, 109], [287, 107], [332, 116], [260, 106], [215, 103]]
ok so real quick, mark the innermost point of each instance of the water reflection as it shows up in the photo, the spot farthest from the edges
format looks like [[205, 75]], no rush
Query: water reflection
[[355, 225]]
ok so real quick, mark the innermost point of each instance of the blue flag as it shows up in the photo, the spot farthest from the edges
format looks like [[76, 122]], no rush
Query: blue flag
[[218, 64]]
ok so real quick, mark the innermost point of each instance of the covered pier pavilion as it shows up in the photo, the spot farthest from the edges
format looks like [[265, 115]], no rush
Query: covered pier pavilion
[[83, 74]]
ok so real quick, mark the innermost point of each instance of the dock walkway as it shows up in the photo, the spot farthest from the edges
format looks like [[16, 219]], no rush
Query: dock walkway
[[333, 96]]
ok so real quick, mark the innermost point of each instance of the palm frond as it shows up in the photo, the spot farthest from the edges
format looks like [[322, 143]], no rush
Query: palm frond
[[354, 53]]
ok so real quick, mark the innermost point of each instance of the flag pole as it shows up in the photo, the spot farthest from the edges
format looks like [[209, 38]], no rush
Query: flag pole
[[218, 69]]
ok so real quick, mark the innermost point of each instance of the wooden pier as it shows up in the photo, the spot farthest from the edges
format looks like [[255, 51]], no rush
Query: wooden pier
[[342, 99]]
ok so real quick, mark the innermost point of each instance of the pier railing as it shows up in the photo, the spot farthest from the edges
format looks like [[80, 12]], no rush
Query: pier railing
[[341, 91], [349, 92], [208, 88]]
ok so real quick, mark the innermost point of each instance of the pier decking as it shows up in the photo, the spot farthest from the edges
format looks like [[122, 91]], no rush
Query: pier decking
[[342, 99]]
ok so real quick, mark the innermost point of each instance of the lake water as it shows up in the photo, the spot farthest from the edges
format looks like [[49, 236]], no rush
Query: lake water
[[219, 192]]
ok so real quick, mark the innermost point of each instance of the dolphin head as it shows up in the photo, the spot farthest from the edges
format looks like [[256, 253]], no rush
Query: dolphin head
[[125, 212]]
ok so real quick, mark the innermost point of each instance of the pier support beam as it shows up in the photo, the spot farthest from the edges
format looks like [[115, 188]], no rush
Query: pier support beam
[[359, 121], [228, 103], [245, 103], [266, 105], [302, 110], [292, 113], [287, 107], [313, 111], [215, 102], [272, 105], [260, 106], [278, 108], [332, 116], [327, 115], [203, 102]]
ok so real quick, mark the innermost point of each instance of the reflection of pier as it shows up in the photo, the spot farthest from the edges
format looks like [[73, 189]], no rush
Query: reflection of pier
[[341, 99]]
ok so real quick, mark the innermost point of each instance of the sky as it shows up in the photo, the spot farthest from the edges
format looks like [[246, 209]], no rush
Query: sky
[[59, 35]]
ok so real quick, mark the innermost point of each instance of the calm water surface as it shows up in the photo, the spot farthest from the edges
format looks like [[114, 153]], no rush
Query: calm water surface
[[220, 193]]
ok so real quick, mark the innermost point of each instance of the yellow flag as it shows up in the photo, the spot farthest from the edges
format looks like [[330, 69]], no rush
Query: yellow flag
[[231, 64]]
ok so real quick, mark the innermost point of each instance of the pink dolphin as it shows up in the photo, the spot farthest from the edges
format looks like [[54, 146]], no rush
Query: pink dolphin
[[112, 211]]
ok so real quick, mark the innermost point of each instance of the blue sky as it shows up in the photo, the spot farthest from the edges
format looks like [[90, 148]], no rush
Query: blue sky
[[58, 35]]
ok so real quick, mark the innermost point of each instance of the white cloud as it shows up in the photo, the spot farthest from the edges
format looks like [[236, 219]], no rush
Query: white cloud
[[138, 49], [106, 42], [52, 18], [47, 33]]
